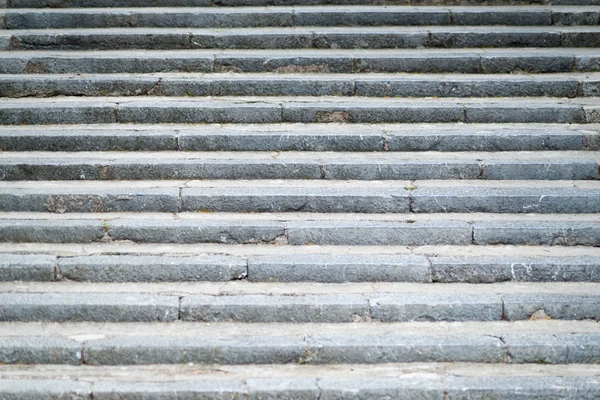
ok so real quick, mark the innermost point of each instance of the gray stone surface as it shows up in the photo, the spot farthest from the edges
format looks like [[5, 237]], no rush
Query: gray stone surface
[[27, 267], [580, 169], [521, 387], [501, 16], [370, 16], [39, 350], [507, 112], [304, 199], [84, 140], [410, 233], [74, 199], [553, 349], [538, 63], [49, 231], [35, 389], [283, 388], [400, 387], [575, 16], [42, 113], [519, 269], [202, 350], [189, 231], [327, 349], [123, 268], [388, 307], [202, 389], [98, 307], [265, 308], [299, 62], [332, 268], [556, 306], [537, 233], [504, 200]]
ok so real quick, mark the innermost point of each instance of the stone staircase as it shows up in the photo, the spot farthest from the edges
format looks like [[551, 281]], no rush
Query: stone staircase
[[299, 199]]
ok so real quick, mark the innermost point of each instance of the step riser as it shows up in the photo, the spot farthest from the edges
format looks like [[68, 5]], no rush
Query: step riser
[[370, 16], [331, 308], [156, 40], [316, 268], [409, 233], [548, 201], [319, 349], [436, 387], [28, 86], [469, 62], [338, 138], [233, 3], [178, 111]]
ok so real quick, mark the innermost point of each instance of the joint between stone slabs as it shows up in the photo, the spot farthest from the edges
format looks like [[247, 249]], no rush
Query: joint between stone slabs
[[179, 308], [481, 169], [464, 116], [429, 268], [180, 200], [116, 113], [507, 356]]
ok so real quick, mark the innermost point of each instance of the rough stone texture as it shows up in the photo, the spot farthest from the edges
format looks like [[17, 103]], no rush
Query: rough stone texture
[[519, 269], [100, 307], [533, 170], [204, 350], [27, 267], [401, 387], [574, 16], [519, 16], [29, 389], [537, 233], [501, 200], [410, 233], [189, 231], [332, 268], [180, 390], [122, 268], [553, 349], [505, 63], [49, 231], [39, 350], [283, 63], [370, 16], [327, 349], [264, 308], [435, 307], [76, 199], [556, 306], [47, 113], [467, 62], [283, 388], [525, 388], [507, 112], [304, 199]]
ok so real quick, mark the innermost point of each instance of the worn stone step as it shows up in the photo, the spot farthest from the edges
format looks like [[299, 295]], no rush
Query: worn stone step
[[371, 85], [300, 37], [375, 264], [547, 342], [457, 381], [301, 137], [555, 165], [304, 229], [451, 302], [60, 18], [230, 3], [488, 61], [70, 110], [307, 196]]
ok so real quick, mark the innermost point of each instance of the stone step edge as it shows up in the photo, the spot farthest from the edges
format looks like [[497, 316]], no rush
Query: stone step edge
[[354, 196], [366, 267], [529, 388], [268, 308], [308, 349], [27, 85], [294, 137]]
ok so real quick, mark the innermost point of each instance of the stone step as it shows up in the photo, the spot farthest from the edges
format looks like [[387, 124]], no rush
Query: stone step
[[56, 302], [61, 18], [232, 3], [549, 165], [301, 137], [553, 197], [519, 342], [75, 110], [488, 61], [366, 85], [300, 37], [305, 229], [376, 264], [457, 381]]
